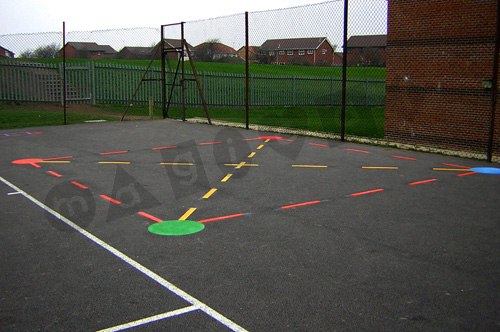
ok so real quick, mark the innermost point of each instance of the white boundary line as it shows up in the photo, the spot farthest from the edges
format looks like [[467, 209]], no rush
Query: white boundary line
[[136, 265], [151, 319]]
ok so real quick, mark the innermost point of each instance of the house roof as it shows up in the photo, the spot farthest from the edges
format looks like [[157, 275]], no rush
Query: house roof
[[91, 47], [251, 49], [367, 41], [218, 48], [138, 50], [176, 43], [293, 43]]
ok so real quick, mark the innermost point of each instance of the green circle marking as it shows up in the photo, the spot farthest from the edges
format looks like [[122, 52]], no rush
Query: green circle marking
[[176, 227]]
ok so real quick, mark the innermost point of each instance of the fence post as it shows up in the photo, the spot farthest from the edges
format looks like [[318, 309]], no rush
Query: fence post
[[92, 83], [366, 92], [294, 97], [344, 74], [64, 71], [247, 81]]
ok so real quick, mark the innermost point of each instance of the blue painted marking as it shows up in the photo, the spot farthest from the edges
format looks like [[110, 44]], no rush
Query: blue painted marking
[[486, 170]]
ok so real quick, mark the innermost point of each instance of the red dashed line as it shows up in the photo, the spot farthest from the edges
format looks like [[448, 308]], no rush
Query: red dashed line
[[467, 174], [416, 183], [456, 166], [358, 151], [109, 199], [367, 192], [79, 185], [319, 145], [57, 175], [404, 158], [113, 152], [148, 216]]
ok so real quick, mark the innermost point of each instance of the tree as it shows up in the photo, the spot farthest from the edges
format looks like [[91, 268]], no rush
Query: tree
[[47, 51]]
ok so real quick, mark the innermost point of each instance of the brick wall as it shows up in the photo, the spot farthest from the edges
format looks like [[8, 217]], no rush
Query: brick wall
[[438, 54]]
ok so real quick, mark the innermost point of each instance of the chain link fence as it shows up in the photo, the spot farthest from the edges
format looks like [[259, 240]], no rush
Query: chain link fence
[[279, 68]]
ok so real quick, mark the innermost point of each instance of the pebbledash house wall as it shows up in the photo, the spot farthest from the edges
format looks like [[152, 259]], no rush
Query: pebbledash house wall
[[439, 53]]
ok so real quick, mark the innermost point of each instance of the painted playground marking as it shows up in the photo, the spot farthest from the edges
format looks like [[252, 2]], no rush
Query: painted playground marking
[[184, 229], [150, 319], [21, 133], [131, 262]]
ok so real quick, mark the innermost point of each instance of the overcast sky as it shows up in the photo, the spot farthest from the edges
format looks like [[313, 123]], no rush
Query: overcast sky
[[23, 16], [115, 23]]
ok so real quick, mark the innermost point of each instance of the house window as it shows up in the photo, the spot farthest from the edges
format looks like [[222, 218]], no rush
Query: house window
[[271, 53], [310, 51], [282, 52], [324, 51], [302, 52], [289, 52]]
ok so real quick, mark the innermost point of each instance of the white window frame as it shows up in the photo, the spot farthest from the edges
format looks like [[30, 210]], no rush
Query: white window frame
[[302, 52], [289, 52], [282, 52], [310, 51], [324, 51]]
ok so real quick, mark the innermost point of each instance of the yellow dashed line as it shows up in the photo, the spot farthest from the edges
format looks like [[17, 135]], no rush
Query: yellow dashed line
[[380, 167], [210, 193], [55, 161], [227, 177], [267, 140], [452, 169], [251, 155], [187, 214], [114, 162], [310, 166], [240, 165], [177, 164], [260, 147], [245, 165]]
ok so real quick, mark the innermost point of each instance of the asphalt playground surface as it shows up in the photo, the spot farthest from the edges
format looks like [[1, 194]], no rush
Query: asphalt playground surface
[[290, 233]]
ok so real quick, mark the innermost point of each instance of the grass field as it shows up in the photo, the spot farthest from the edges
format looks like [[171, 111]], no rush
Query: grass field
[[29, 115], [290, 87], [359, 122], [219, 67]]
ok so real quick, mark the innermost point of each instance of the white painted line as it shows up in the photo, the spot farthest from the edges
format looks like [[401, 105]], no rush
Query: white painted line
[[151, 319], [136, 265], [14, 193]]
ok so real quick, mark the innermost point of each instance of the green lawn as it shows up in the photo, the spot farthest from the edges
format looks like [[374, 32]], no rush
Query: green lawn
[[260, 69], [26, 115], [359, 121]]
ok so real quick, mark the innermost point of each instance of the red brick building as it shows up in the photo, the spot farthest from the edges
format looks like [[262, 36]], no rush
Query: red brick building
[[440, 57], [299, 51], [5, 53], [368, 50], [88, 51]]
